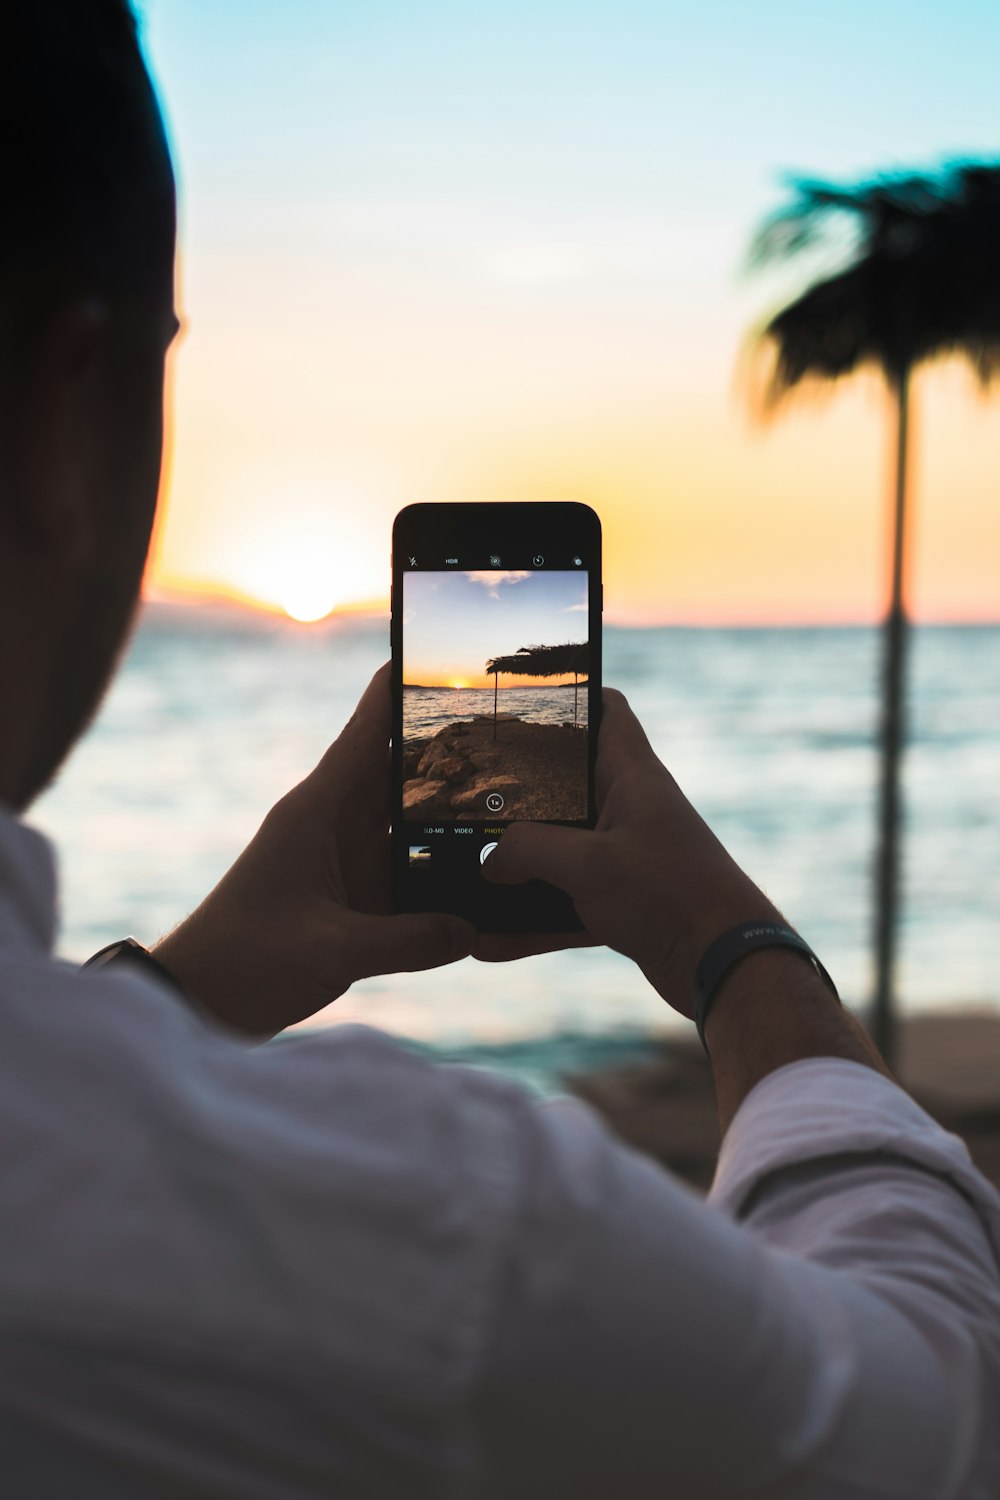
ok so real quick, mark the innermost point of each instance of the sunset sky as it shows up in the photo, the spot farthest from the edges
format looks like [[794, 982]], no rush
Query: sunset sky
[[453, 623], [464, 251]]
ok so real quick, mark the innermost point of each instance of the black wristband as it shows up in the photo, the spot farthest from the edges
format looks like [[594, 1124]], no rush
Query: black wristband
[[127, 953], [727, 951]]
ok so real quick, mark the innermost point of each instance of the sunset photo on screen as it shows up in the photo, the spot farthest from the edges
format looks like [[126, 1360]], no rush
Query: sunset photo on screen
[[495, 668]]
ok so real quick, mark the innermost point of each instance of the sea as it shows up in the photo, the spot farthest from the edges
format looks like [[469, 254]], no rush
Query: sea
[[771, 732], [428, 709]]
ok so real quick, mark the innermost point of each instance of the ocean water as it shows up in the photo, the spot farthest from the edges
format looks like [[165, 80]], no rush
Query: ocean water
[[428, 709], [770, 732]]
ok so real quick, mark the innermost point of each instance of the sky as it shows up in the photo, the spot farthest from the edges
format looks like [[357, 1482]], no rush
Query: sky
[[465, 251], [453, 623]]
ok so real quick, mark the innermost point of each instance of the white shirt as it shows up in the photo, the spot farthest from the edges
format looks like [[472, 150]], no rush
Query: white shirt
[[325, 1267]]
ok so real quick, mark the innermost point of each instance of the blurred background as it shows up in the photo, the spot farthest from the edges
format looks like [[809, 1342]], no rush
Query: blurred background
[[457, 251]]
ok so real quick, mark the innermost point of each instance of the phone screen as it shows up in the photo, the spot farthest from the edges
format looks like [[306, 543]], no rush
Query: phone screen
[[497, 679]]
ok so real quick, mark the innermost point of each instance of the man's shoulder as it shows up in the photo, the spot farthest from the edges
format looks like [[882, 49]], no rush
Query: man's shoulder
[[309, 1182], [136, 1037], [320, 1218]]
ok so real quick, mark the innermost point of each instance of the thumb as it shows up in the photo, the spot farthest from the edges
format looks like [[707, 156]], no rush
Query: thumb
[[543, 851], [393, 945]]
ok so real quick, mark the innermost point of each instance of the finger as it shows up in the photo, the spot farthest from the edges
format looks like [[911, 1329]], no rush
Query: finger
[[503, 947], [621, 743], [363, 741], [543, 851], [394, 945]]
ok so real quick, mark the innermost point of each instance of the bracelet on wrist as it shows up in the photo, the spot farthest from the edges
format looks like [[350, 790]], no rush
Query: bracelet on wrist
[[128, 954], [722, 956]]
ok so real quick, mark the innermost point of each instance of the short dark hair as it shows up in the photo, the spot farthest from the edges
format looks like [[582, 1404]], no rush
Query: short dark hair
[[86, 187]]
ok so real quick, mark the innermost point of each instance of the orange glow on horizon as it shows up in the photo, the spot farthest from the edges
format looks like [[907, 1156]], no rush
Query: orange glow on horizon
[[708, 519], [430, 679], [195, 592]]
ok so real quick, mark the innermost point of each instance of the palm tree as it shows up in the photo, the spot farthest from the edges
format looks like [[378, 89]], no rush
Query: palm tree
[[920, 280]]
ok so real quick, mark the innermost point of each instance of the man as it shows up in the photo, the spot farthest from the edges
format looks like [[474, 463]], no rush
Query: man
[[321, 1266]]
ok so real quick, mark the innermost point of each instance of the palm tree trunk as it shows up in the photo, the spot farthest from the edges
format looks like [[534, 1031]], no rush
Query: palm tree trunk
[[576, 697], [883, 1018], [496, 682]]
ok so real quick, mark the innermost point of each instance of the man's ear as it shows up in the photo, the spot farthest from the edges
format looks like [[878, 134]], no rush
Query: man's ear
[[61, 444]]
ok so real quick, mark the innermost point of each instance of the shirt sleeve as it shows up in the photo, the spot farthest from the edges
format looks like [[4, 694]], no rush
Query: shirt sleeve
[[826, 1326]]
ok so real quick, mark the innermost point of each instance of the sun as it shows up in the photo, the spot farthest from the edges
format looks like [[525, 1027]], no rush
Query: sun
[[459, 682], [308, 599], [309, 576]]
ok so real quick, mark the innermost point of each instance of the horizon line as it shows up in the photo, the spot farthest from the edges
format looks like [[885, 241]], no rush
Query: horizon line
[[245, 605]]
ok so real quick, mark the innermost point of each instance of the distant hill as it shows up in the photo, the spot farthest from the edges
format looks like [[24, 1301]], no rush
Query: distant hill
[[228, 616]]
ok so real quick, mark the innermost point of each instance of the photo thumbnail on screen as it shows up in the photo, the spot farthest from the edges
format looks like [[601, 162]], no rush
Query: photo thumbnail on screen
[[495, 672]]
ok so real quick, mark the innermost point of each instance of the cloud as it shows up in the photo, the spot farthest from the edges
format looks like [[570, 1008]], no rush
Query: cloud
[[494, 577], [574, 609]]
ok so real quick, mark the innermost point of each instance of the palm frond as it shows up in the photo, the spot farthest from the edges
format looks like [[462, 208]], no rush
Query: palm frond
[[922, 280]]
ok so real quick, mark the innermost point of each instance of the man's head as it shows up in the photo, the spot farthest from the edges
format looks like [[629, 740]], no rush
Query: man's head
[[86, 315]]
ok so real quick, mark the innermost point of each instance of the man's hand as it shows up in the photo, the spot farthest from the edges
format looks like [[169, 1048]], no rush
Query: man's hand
[[301, 914], [651, 881]]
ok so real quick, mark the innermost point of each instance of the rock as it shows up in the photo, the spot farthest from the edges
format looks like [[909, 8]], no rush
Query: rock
[[435, 751], [411, 760], [441, 748], [425, 798], [453, 768], [472, 798]]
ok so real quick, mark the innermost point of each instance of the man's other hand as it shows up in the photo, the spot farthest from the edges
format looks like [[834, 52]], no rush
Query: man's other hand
[[303, 912], [651, 880]]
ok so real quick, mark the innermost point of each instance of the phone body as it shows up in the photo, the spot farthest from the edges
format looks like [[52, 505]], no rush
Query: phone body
[[496, 677]]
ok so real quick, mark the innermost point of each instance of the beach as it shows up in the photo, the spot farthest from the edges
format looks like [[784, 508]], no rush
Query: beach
[[538, 770], [665, 1106]]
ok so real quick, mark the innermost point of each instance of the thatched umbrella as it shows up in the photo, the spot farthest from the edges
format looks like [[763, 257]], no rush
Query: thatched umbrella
[[541, 661]]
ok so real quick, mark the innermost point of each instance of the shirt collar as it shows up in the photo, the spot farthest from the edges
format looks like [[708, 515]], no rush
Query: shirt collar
[[27, 886]]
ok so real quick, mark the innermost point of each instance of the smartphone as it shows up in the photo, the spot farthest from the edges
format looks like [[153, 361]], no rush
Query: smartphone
[[496, 667]]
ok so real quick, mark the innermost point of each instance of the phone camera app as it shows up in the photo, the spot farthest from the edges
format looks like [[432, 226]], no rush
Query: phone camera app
[[496, 667]]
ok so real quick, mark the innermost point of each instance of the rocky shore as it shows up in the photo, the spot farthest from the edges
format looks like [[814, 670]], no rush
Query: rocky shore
[[538, 770]]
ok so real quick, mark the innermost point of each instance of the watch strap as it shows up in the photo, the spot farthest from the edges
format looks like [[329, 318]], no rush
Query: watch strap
[[721, 956], [128, 953]]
